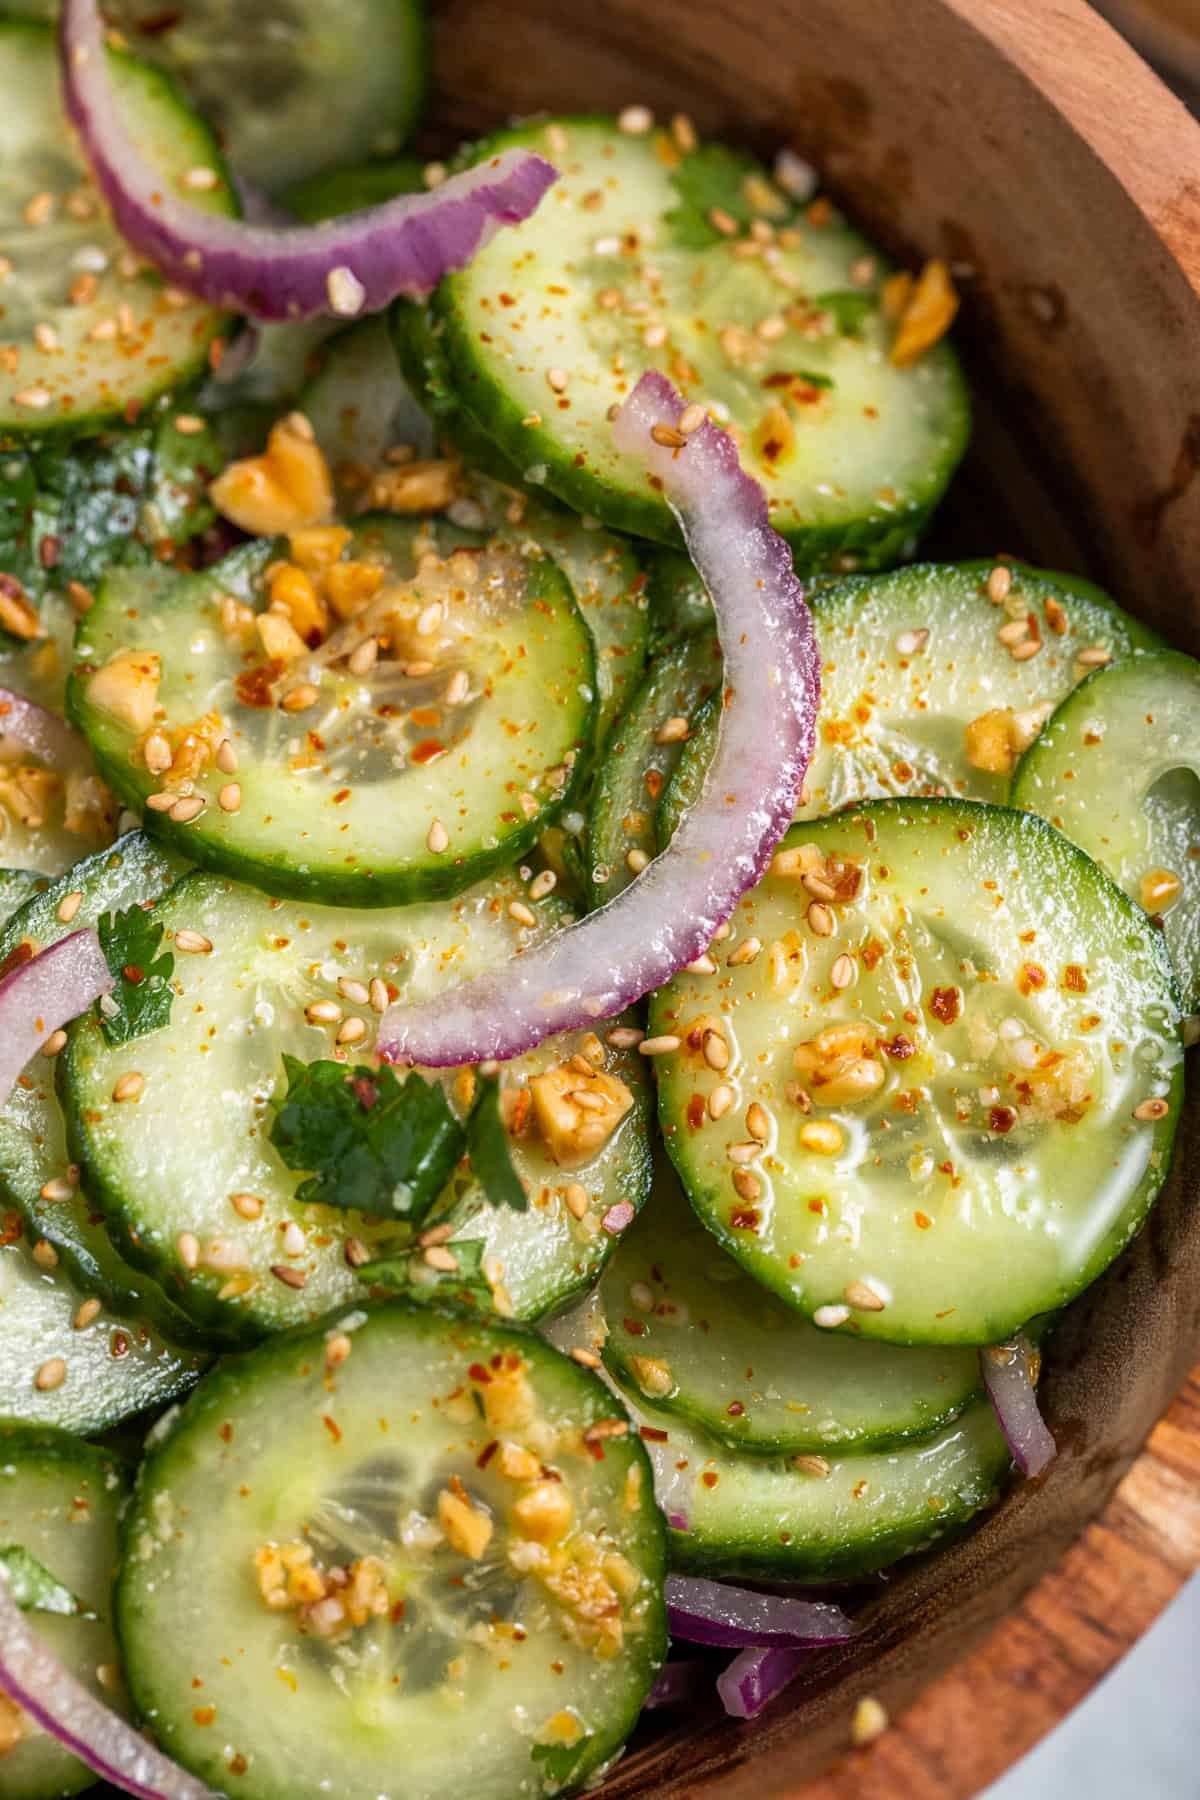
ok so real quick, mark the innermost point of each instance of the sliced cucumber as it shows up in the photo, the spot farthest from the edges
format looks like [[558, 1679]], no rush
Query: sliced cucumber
[[527, 1613], [359, 405], [38, 667], [16, 887], [641, 752], [169, 1194], [810, 1517], [624, 267], [345, 190], [388, 786], [1118, 770], [690, 1333], [35, 1164], [960, 1036], [60, 1501], [74, 1370], [679, 601], [160, 340], [417, 336]]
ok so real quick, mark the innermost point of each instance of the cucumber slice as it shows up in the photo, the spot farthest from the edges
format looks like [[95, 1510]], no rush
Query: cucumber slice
[[980, 1144], [60, 1501], [943, 713], [417, 337], [679, 600], [16, 887], [336, 191], [83, 1377], [38, 667], [49, 817], [238, 1009], [341, 801], [160, 340], [691, 1334], [853, 452], [548, 1649], [359, 405], [1118, 770], [33, 1135], [637, 765], [810, 1517]]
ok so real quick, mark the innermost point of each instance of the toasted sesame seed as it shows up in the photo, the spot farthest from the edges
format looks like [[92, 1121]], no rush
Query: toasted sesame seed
[[201, 180], [1094, 657], [292, 1278], [911, 643], [54, 1043], [351, 1031], [38, 209], [229, 799], [51, 1375], [33, 399], [701, 965], [193, 942], [187, 1248], [1023, 651], [720, 1101], [437, 838], [587, 1359], [672, 731], [162, 802], [691, 418], [355, 1253], [323, 1012], [1013, 633], [684, 133], [869, 1723], [87, 1312], [999, 582], [363, 657], [437, 1257], [1056, 617], [346, 292], [658, 1046], [635, 121], [606, 1428], [820, 920], [843, 972], [60, 1187], [156, 753], [716, 1050], [337, 1350], [758, 1123], [667, 435], [830, 1317], [542, 884], [182, 812], [294, 1241], [69, 905], [300, 698], [862, 1297], [129, 1086], [576, 1200], [1156, 1108], [723, 221], [82, 598], [654, 337], [46, 338], [746, 1184], [556, 380], [227, 757], [625, 1037], [247, 1206], [378, 995], [811, 1465], [427, 623], [457, 688], [636, 860], [357, 992], [743, 1153], [44, 1254], [524, 915], [771, 329]]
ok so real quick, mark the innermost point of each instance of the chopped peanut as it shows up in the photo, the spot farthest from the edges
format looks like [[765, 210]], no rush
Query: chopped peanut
[[280, 640], [653, 1376], [316, 548], [14, 1725], [929, 312], [349, 586], [293, 594], [989, 743], [287, 488], [467, 1527], [507, 1397], [839, 1065], [17, 616], [1159, 889], [516, 1463], [88, 806], [561, 1728], [416, 487], [127, 687], [576, 1113], [28, 793], [775, 435], [544, 1512]]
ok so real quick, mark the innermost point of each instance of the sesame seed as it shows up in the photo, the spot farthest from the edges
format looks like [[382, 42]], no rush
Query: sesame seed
[[428, 621], [102, 332], [436, 1234], [60, 1188], [33, 399], [746, 1184], [437, 838], [355, 1253], [701, 965], [229, 799], [822, 1136], [635, 121], [362, 658], [999, 582], [722, 221], [556, 380], [37, 211], [606, 1428], [87, 1312], [433, 174], [1056, 617], [182, 812], [51, 1375], [587, 1359], [668, 436], [820, 920], [337, 1350], [1013, 633], [187, 1249], [684, 133], [126, 321], [771, 329], [910, 643], [556, 140], [811, 1465], [247, 1206], [658, 1046], [716, 1050], [193, 942], [54, 1043], [345, 292], [745, 953], [378, 995], [323, 1012], [83, 290], [625, 1037], [758, 1124], [129, 1086], [46, 338], [862, 1297], [636, 860], [843, 972], [357, 992], [44, 1255], [1157, 1108], [1094, 657], [82, 598], [227, 757], [162, 802], [654, 337], [201, 180], [524, 915], [576, 1200], [458, 687], [294, 1241], [437, 1257], [292, 1278], [542, 884], [743, 1153], [351, 1031], [720, 1101], [830, 1317], [1023, 651], [301, 697], [68, 906], [156, 753]]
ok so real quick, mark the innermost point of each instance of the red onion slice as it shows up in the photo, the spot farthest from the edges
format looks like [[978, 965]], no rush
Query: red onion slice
[[1007, 1375], [667, 917], [32, 1675], [735, 1618], [354, 264], [755, 1677], [35, 729], [677, 1682], [48, 991]]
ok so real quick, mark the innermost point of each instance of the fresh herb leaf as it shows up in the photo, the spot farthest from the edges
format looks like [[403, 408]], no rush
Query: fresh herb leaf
[[562, 1761], [710, 178], [372, 1143], [814, 379], [487, 1146], [848, 309], [397, 1274], [130, 941], [33, 1587]]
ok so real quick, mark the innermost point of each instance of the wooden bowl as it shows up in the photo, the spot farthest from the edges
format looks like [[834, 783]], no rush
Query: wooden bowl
[[1027, 143]]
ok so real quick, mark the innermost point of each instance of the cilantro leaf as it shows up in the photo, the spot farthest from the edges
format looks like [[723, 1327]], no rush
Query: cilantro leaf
[[562, 1761], [397, 1274], [848, 309], [372, 1143], [33, 1587], [130, 941], [487, 1146], [710, 178]]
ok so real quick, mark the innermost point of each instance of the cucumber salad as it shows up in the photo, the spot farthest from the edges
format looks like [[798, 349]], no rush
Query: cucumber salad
[[571, 1014]]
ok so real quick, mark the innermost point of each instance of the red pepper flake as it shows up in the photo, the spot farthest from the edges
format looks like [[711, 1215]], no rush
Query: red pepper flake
[[735, 1409], [134, 974], [1074, 979], [332, 1427], [204, 1715], [1032, 978], [237, 1764], [618, 1218], [871, 953], [486, 1454], [652, 1434], [922, 1221], [11, 1228], [899, 1048], [744, 1218], [1001, 1119], [634, 1327], [225, 1432], [427, 751], [817, 1206], [119, 1345], [49, 551], [945, 1003], [340, 798], [654, 783], [253, 686], [19, 955], [696, 1111], [478, 1373], [710, 1478]]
